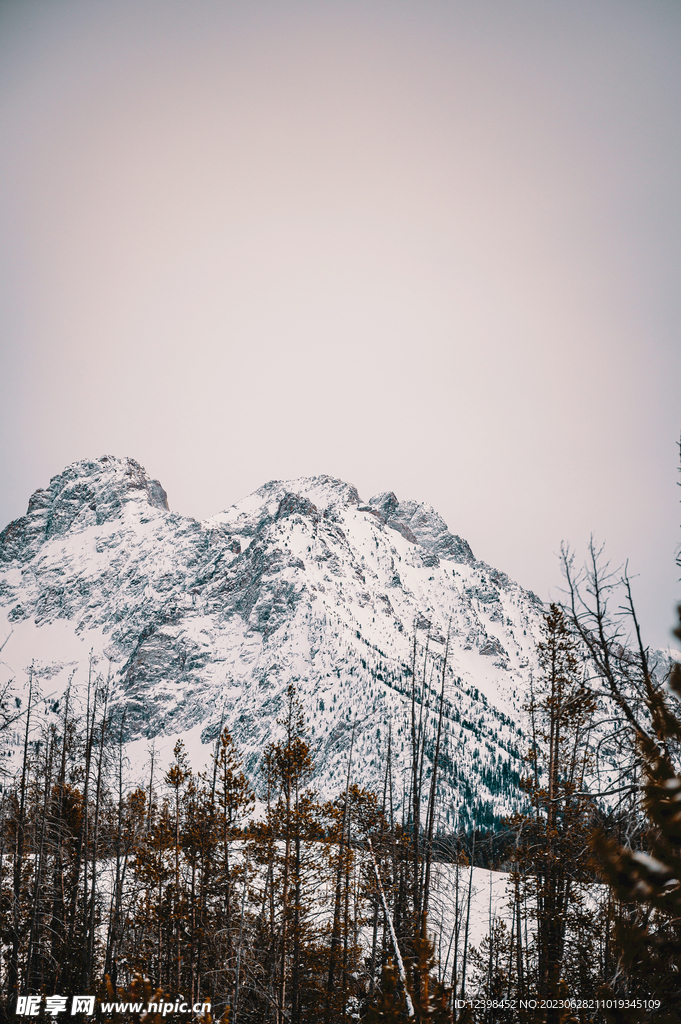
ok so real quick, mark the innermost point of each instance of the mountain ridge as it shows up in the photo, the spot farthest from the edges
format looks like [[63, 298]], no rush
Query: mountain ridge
[[301, 581]]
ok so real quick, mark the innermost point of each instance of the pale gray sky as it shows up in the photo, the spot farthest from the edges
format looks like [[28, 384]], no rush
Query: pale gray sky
[[431, 247]]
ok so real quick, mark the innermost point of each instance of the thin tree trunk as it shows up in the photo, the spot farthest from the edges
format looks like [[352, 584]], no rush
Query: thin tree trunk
[[415, 795], [90, 931], [335, 933], [468, 919], [31, 982], [433, 784], [374, 937], [83, 829], [519, 940], [57, 926], [115, 906], [396, 948], [295, 967], [238, 953]]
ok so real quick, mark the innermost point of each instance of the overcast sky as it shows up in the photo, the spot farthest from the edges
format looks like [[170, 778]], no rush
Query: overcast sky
[[428, 247]]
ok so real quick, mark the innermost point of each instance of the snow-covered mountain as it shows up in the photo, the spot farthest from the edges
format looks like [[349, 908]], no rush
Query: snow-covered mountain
[[300, 582]]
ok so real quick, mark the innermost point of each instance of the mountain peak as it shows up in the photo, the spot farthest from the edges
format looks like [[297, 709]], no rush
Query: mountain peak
[[323, 491], [88, 490]]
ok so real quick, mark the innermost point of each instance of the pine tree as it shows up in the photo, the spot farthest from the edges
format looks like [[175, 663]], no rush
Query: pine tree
[[177, 777], [226, 805], [552, 876], [282, 846], [648, 933], [425, 999], [152, 867]]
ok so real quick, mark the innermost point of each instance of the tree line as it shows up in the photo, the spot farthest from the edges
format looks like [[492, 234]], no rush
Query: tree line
[[280, 906]]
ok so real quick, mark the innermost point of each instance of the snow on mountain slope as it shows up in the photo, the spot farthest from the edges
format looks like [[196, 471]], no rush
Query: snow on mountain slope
[[299, 582]]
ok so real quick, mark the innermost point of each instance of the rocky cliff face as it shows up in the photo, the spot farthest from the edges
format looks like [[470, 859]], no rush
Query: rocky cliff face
[[301, 581]]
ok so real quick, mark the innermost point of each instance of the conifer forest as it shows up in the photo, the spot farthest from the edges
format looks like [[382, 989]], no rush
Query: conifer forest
[[340, 564], [265, 903]]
